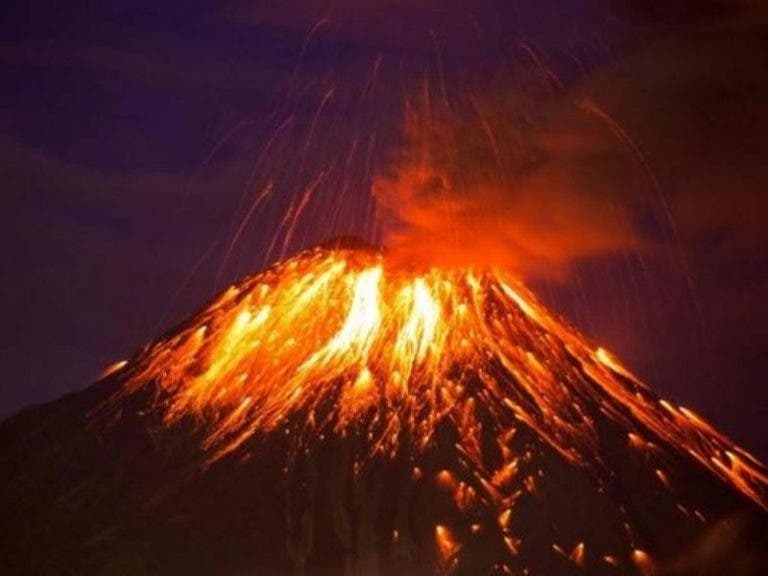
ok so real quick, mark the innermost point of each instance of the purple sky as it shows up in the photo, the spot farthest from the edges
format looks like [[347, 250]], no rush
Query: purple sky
[[129, 135]]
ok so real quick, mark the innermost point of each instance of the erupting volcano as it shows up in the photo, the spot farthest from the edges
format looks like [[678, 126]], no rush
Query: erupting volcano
[[338, 414]]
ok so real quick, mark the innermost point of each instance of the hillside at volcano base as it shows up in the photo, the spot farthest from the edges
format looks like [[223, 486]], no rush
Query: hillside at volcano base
[[336, 415]]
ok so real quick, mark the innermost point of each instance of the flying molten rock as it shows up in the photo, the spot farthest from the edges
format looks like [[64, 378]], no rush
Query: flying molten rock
[[453, 407]]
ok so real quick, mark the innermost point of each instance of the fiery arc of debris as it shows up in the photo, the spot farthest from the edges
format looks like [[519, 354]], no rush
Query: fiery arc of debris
[[389, 350]]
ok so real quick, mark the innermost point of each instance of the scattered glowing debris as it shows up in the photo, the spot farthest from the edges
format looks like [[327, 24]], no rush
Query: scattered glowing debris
[[505, 474], [445, 480], [530, 484], [611, 560], [663, 478], [643, 562], [446, 545], [113, 368], [608, 360], [464, 496], [637, 441], [363, 382], [513, 545], [577, 554]]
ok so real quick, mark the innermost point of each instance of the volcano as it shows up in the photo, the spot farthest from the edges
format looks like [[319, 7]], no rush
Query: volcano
[[337, 415]]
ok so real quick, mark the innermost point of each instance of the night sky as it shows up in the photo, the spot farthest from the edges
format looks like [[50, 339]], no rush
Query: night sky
[[133, 138]]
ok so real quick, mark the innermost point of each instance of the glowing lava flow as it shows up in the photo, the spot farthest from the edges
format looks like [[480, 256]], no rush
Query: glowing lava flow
[[336, 336]]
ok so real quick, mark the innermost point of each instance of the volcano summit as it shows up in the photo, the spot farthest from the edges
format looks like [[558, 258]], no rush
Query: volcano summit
[[337, 415]]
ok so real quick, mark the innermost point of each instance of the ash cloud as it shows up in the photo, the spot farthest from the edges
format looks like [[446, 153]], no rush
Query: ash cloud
[[498, 183], [664, 159]]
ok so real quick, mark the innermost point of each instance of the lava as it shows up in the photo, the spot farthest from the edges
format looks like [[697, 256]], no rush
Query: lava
[[336, 342], [354, 344]]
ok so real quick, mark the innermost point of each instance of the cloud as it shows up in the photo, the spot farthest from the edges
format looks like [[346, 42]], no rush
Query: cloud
[[485, 184], [658, 152]]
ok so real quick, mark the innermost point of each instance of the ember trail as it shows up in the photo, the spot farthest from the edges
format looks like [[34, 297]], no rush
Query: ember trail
[[335, 343]]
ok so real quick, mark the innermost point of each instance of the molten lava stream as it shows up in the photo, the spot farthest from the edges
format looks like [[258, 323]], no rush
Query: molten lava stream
[[334, 343]]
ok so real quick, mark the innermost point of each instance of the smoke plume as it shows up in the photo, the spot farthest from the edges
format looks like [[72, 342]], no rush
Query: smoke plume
[[494, 182]]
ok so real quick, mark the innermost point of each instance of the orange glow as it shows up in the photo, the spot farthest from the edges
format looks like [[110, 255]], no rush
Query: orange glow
[[503, 519], [457, 175], [512, 544], [643, 562], [341, 341], [606, 358], [364, 381], [664, 479], [464, 496], [445, 479], [112, 369], [446, 545], [577, 554], [610, 560]]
